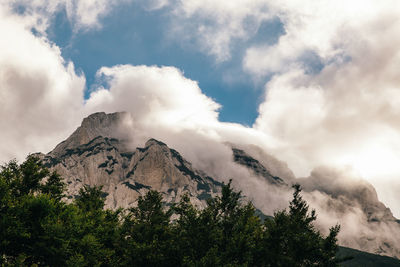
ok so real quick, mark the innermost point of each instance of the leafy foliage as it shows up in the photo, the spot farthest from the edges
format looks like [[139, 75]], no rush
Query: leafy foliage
[[38, 229]]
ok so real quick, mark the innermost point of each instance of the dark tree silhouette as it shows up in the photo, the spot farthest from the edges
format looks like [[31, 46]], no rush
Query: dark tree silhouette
[[37, 228]]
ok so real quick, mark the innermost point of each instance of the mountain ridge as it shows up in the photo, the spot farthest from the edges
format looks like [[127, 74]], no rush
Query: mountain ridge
[[98, 153]]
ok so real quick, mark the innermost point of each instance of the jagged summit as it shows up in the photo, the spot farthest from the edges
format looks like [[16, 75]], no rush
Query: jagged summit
[[153, 141], [97, 124]]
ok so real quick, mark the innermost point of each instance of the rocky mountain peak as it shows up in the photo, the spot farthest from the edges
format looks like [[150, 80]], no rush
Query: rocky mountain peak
[[100, 123], [93, 155], [154, 142], [97, 124]]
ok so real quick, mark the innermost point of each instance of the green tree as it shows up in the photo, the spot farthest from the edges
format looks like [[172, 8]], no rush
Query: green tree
[[29, 202], [38, 228], [290, 238], [222, 234], [97, 230], [90, 199], [148, 234], [54, 186]]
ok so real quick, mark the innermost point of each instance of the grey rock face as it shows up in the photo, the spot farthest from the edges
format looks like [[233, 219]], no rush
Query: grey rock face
[[242, 158], [91, 156], [97, 124]]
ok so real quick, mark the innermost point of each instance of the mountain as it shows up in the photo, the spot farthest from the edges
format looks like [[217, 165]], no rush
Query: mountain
[[99, 152], [92, 156], [95, 125]]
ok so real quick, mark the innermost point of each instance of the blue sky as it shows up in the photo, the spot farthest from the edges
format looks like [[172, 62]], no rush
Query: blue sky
[[131, 34]]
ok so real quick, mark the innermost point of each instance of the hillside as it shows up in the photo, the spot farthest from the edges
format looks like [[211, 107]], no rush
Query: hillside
[[364, 259]]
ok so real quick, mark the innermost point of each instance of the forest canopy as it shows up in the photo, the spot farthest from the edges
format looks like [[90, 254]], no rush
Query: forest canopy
[[38, 228]]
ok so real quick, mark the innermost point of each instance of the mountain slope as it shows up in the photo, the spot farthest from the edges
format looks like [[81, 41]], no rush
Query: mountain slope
[[363, 259]]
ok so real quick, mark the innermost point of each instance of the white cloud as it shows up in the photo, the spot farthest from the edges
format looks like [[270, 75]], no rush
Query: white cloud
[[347, 114], [40, 94], [153, 94], [215, 25], [87, 13], [152, 5], [329, 29], [83, 14]]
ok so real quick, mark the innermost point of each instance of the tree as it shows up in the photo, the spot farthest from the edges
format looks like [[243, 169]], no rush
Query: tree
[[147, 233], [290, 238], [90, 199], [29, 200], [97, 230], [38, 228], [54, 186], [224, 233]]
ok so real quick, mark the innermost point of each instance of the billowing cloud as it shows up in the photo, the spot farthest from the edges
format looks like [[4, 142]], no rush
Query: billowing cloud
[[159, 95], [347, 113], [330, 30], [40, 93], [333, 96]]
